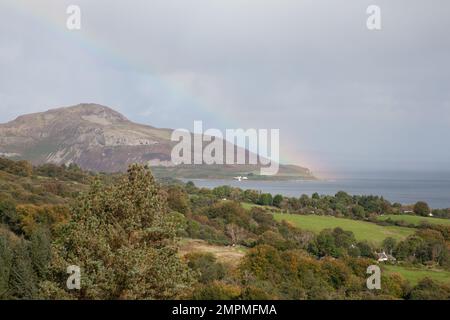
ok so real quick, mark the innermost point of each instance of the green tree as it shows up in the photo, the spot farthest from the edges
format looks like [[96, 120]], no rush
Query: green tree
[[40, 251], [5, 266], [22, 279], [123, 240], [324, 244], [358, 211], [365, 249], [265, 199], [277, 200], [207, 266], [421, 208], [389, 244], [427, 289]]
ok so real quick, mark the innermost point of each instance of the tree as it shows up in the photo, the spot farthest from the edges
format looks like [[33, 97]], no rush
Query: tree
[[9, 216], [389, 244], [365, 249], [235, 233], [40, 251], [251, 195], [427, 289], [273, 239], [343, 239], [222, 191], [190, 187], [122, 239], [206, 265], [304, 201], [421, 208], [358, 211], [324, 244], [177, 200], [216, 290], [5, 266], [22, 279], [277, 200], [265, 199], [394, 285]]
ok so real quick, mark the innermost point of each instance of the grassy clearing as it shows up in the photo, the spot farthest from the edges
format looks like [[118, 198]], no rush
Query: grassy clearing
[[361, 229], [225, 254], [416, 220], [414, 275], [248, 206]]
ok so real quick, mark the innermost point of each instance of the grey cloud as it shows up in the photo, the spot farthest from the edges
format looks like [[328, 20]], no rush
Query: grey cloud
[[341, 95]]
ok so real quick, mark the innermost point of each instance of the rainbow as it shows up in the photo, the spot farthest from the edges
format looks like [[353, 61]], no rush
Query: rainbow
[[55, 21]]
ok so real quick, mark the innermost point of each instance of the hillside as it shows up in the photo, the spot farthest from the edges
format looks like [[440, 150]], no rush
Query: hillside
[[100, 139], [217, 243]]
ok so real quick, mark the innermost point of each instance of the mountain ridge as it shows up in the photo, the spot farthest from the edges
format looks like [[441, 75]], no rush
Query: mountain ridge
[[98, 138]]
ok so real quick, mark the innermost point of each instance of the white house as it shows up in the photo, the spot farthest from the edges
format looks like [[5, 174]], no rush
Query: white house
[[383, 256]]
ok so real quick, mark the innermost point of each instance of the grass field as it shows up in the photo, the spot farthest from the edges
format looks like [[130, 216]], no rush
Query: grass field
[[248, 206], [414, 275], [361, 229], [414, 219]]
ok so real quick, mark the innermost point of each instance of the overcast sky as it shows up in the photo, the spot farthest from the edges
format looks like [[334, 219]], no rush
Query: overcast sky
[[342, 96]]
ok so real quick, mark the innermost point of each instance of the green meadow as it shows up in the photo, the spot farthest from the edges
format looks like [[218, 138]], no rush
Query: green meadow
[[416, 220], [361, 229], [414, 275], [248, 206]]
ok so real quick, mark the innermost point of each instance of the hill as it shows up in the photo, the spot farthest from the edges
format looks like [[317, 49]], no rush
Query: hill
[[97, 138]]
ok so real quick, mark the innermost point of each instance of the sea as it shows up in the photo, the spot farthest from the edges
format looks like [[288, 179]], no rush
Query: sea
[[403, 187]]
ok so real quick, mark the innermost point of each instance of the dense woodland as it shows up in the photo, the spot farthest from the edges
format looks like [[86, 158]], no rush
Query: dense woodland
[[124, 230]]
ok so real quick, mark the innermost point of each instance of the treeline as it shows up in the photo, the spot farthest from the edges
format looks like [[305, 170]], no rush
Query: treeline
[[21, 183], [24, 168], [367, 207]]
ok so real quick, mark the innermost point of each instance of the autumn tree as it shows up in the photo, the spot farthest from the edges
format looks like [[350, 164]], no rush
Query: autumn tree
[[235, 233], [178, 200], [421, 208]]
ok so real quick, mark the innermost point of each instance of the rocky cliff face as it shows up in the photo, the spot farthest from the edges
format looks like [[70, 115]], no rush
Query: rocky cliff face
[[96, 138]]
